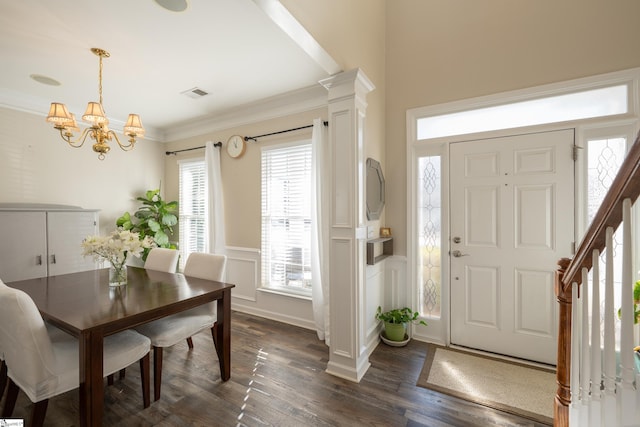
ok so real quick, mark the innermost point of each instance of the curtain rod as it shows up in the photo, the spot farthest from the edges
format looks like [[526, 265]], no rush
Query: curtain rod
[[246, 138]]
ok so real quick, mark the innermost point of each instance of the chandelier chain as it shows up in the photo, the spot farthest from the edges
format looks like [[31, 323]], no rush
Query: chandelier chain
[[100, 80]]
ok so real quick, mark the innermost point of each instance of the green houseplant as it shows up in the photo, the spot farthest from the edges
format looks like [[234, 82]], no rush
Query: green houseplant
[[396, 321], [636, 303], [155, 218]]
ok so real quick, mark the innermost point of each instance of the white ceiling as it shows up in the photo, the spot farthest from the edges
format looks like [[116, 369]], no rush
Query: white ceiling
[[239, 51]]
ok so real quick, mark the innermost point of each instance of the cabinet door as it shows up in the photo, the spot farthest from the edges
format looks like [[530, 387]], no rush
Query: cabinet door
[[66, 231], [23, 246]]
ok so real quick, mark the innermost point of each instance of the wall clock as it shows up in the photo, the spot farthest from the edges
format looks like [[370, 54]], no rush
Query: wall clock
[[236, 146]]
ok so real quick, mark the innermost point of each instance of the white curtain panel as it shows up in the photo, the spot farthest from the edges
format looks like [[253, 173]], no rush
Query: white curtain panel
[[215, 201], [319, 231]]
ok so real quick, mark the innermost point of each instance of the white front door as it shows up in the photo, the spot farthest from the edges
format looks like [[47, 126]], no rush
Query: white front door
[[512, 211]]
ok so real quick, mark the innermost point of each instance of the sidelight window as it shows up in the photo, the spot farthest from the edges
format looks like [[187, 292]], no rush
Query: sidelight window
[[430, 236]]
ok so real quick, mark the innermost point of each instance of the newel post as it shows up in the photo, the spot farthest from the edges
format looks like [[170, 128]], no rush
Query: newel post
[[563, 393]]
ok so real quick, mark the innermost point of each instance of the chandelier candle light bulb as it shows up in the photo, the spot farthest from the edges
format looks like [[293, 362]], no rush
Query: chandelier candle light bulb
[[95, 115]]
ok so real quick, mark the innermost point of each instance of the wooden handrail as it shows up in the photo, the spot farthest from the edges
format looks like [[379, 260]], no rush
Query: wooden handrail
[[626, 185]]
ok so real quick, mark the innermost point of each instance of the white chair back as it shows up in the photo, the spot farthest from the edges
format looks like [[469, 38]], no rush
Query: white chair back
[[162, 259], [26, 345], [206, 266]]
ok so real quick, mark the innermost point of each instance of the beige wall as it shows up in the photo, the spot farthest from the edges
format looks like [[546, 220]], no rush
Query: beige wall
[[445, 50], [353, 32], [37, 166], [240, 177]]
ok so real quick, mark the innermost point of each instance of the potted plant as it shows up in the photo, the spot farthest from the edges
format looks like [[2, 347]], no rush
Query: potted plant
[[636, 303], [396, 320], [155, 219]]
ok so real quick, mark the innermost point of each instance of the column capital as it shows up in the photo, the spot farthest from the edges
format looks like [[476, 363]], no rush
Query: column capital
[[352, 82]]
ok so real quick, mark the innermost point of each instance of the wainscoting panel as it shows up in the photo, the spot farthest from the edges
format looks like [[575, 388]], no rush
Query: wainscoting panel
[[374, 297], [243, 270]]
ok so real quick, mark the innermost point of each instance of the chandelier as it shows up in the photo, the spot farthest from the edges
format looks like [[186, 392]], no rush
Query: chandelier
[[99, 124]]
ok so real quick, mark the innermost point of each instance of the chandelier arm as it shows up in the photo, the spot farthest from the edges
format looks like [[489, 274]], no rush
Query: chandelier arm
[[66, 135], [124, 147]]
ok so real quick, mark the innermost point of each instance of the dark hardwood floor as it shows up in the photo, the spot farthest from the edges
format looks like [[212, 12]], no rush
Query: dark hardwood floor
[[278, 379]]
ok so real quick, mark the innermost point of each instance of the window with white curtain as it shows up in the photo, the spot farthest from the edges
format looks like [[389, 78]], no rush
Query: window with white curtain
[[192, 209], [286, 218]]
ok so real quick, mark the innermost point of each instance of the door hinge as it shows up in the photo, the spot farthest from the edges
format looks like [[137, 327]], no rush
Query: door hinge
[[575, 152], [573, 248]]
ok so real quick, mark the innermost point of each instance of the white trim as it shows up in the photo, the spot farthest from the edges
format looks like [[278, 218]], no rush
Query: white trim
[[297, 143], [299, 101], [298, 34], [628, 77], [241, 249], [272, 315], [191, 160], [286, 292]]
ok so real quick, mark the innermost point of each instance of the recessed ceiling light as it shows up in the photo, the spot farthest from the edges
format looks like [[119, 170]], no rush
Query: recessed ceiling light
[[45, 80], [173, 5]]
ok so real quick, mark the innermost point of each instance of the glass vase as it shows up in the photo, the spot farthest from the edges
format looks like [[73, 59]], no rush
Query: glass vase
[[118, 275]]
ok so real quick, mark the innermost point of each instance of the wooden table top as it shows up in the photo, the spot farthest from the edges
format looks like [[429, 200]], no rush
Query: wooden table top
[[83, 301]]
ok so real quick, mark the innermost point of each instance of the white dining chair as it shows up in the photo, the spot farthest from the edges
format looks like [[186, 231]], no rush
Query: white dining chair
[[54, 333], [162, 259], [170, 330], [43, 366]]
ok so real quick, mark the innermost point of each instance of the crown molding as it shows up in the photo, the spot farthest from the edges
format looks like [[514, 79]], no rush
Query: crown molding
[[294, 102]]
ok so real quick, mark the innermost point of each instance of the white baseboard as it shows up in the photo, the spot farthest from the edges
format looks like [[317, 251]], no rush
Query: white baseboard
[[268, 314]]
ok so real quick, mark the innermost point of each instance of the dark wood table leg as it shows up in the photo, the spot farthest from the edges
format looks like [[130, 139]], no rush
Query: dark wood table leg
[[91, 386], [222, 331]]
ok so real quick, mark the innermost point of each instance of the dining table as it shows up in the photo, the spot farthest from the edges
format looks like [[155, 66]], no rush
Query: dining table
[[84, 305]]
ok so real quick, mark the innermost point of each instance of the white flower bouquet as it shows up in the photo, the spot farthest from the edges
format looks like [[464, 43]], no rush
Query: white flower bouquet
[[115, 248]]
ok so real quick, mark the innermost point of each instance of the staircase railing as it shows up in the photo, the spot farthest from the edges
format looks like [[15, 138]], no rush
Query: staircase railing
[[596, 378]]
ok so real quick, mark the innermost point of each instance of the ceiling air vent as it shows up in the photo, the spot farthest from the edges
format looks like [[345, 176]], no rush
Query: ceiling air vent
[[194, 93]]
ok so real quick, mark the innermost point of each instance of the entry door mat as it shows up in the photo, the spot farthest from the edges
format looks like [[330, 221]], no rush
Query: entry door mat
[[520, 389]]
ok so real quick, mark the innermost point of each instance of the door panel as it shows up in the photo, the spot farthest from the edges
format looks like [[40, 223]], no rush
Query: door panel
[[482, 204], [512, 206]]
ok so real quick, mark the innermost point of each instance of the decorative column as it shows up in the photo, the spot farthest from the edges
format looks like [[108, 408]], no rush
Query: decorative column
[[348, 356]]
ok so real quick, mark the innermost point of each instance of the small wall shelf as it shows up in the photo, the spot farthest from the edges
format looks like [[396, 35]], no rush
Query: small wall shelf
[[387, 249]]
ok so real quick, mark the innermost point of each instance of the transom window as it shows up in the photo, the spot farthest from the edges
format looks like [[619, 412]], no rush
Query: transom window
[[588, 104]]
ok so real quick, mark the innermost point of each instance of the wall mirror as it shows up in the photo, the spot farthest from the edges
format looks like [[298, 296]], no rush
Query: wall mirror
[[375, 189]]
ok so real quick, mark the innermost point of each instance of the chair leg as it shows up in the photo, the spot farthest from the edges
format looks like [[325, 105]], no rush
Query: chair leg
[[38, 413], [190, 343], [10, 402], [144, 378], [3, 377], [214, 334], [157, 372], [110, 379], [122, 372]]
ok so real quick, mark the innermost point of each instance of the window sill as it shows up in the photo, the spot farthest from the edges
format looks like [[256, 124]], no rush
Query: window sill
[[287, 293]]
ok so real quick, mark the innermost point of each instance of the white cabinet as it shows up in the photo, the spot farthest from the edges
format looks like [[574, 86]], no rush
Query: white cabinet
[[38, 242]]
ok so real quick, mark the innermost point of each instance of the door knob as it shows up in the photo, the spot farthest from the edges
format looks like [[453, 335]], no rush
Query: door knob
[[457, 239], [458, 254]]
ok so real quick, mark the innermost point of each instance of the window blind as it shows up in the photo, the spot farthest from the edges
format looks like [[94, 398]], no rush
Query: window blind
[[193, 202], [286, 218]]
